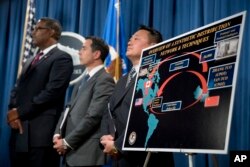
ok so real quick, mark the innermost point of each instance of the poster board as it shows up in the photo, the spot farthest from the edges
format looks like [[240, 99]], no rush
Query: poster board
[[184, 92]]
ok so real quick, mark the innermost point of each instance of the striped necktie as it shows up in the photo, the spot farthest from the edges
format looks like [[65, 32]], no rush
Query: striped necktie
[[131, 75]]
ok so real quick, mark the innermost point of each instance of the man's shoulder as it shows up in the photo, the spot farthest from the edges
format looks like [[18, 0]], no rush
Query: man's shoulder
[[102, 73], [102, 77], [60, 53]]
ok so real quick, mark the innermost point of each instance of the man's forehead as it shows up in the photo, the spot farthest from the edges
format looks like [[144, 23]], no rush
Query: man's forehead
[[143, 33], [87, 41]]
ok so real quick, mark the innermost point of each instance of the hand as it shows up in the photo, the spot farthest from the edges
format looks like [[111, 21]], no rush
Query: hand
[[109, 145], [59, 146], [105, 138], [17, 124], [56, 138], [12, 115]]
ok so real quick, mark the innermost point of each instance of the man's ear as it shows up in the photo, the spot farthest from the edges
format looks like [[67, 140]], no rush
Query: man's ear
[[52, 32], [97, 54], [153, 43]]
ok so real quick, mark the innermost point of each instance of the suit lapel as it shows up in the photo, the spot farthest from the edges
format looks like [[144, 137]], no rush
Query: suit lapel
[[89, 82], [27, 66], [45, 57], [126, 90]]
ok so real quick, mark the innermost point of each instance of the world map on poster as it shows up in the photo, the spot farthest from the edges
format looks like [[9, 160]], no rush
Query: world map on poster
[[184, 91]]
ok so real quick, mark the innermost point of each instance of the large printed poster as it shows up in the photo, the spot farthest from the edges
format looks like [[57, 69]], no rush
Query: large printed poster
[[184, 92]]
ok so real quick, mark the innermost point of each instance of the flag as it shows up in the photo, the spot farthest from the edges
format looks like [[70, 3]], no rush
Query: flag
[[138, 101], [212, 101], [116, 63], [28, 48]]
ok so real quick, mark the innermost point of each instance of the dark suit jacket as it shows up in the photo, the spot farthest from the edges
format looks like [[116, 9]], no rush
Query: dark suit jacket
[[119, 107], [84, 118], [39, 97]]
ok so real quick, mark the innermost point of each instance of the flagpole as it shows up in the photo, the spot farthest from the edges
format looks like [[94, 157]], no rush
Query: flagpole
[[117, 63], [24, 36]]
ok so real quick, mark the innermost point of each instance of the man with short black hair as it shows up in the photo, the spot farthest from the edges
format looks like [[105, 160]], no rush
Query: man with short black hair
[[119, 105], [80, 141]]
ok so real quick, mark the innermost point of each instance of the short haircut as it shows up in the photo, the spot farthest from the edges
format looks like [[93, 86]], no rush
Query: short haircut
[[54, 25], [101, 45], [154, 35]]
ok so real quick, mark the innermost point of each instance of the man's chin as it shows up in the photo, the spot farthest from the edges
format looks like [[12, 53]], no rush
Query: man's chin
[[128, 53]]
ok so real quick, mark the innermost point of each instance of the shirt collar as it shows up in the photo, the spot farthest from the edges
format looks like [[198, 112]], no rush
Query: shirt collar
[[94, 70], [45, 51], [136, 68]]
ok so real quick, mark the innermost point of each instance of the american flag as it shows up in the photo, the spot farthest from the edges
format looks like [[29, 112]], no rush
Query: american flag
[[138, 101], [29, 48]]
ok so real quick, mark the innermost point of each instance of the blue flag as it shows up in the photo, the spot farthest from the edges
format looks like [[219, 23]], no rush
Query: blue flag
[[116, 62]]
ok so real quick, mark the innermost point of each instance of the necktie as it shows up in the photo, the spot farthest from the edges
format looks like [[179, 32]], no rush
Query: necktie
[[36, 59], [131, 75], [84, 80], [80, 89]]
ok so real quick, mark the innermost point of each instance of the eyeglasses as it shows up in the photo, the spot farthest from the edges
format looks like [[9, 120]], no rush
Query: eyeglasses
[[41, 28]]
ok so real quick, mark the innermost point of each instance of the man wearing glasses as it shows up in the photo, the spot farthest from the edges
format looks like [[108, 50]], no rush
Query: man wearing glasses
[[37, 99]]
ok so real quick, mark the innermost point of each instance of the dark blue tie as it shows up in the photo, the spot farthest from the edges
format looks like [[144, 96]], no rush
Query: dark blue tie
[[84, 80], [80, 89]]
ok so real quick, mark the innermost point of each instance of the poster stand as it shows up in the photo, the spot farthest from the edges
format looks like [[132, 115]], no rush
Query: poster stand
[[147, 159], [190, 159]]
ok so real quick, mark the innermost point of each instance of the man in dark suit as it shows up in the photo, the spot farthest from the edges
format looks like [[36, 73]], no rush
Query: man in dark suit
[[38, 99], [119, 105], [80, 141]]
